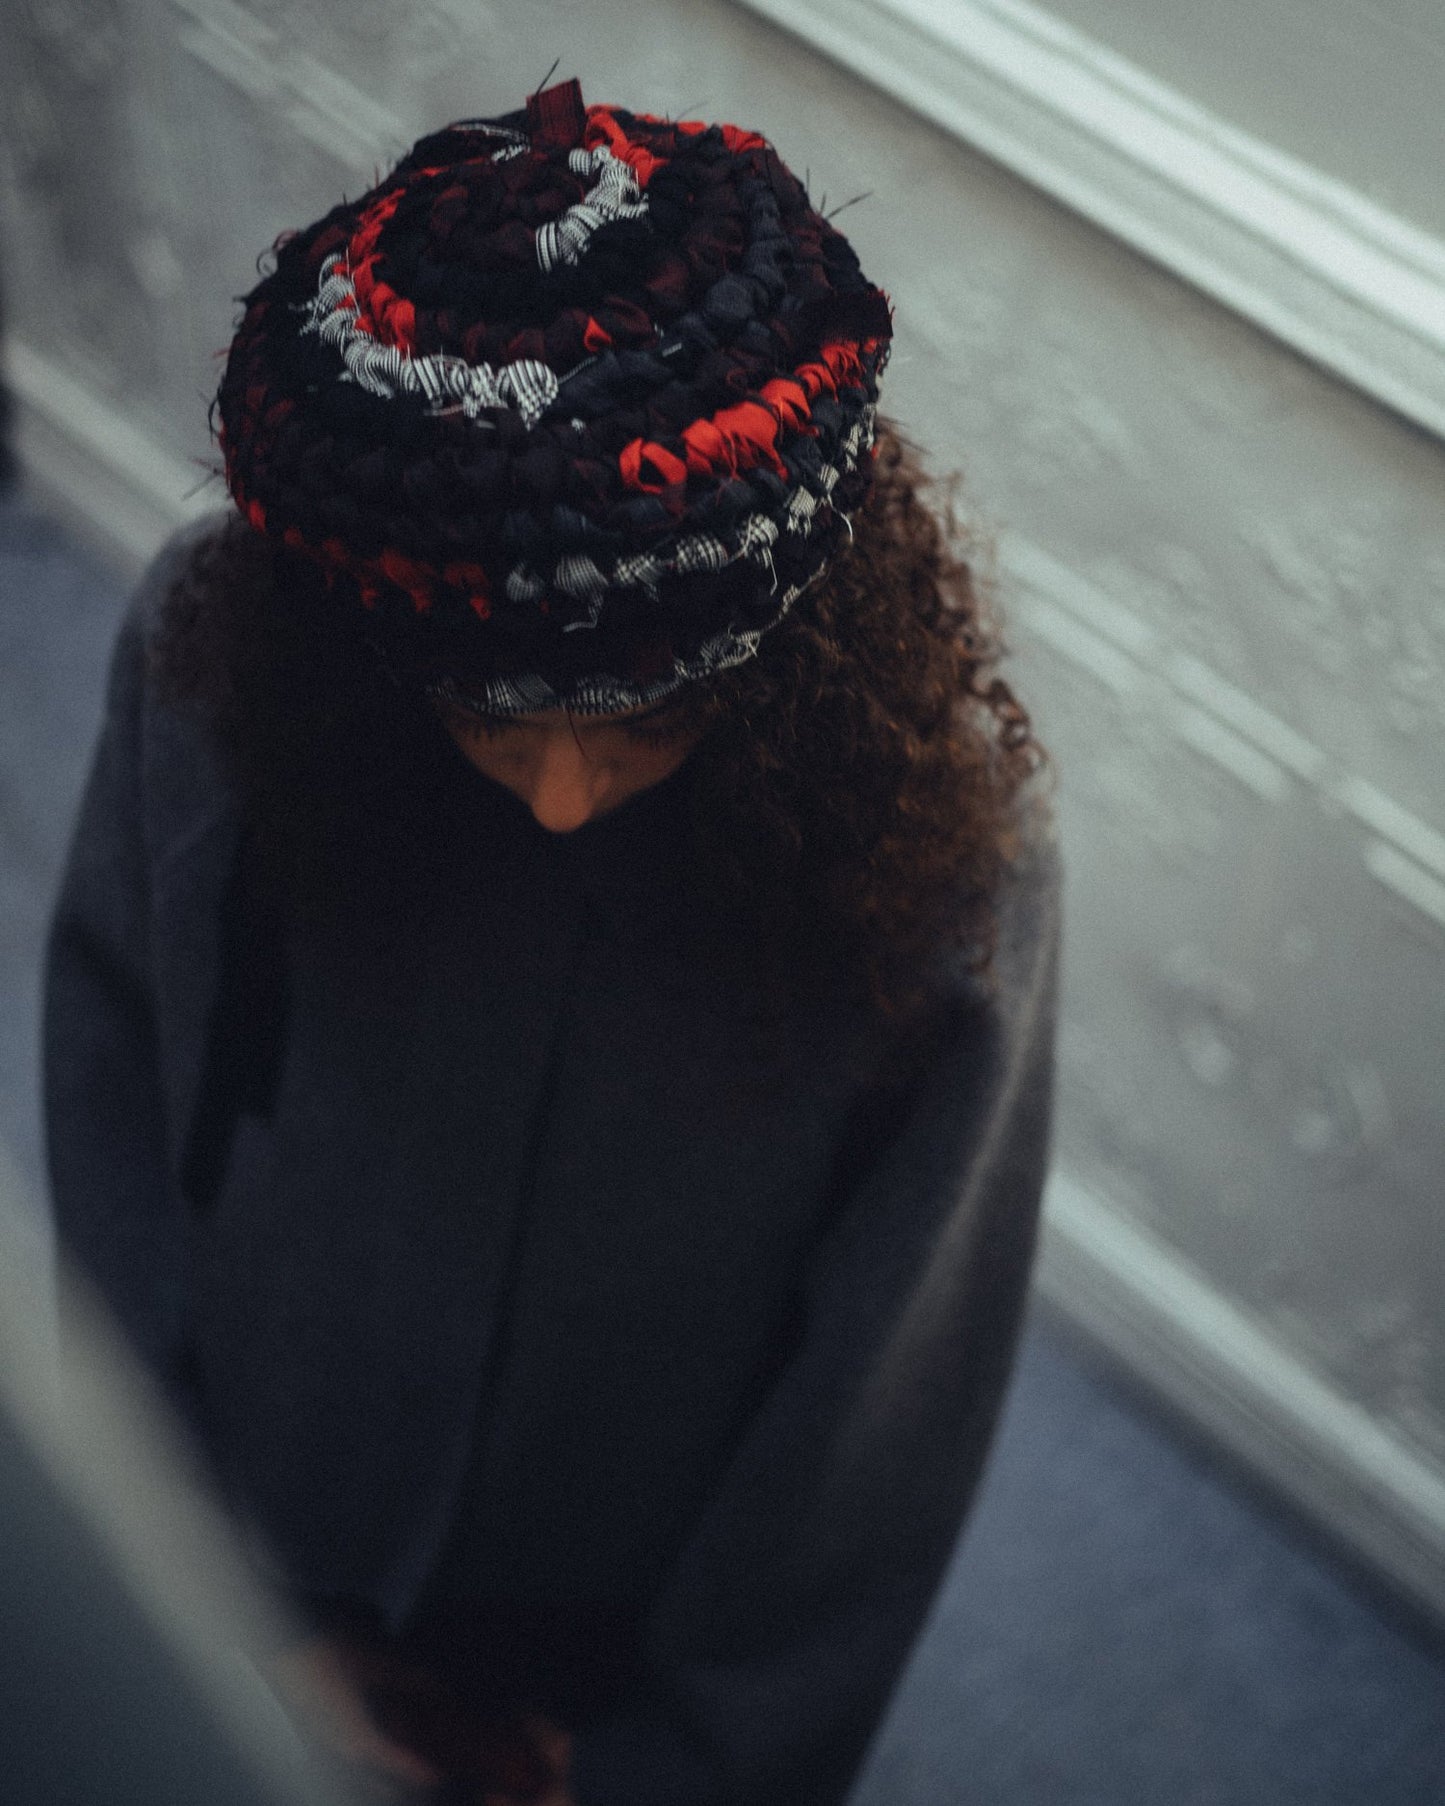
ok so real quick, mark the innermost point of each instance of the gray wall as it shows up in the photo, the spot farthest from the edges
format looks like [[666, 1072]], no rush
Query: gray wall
[[1351, 86], [1223, 570]]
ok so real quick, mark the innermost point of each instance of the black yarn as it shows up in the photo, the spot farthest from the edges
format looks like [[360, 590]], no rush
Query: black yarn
[[729, 281]]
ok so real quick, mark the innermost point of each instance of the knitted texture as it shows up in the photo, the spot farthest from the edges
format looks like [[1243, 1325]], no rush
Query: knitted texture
[[573, 405]]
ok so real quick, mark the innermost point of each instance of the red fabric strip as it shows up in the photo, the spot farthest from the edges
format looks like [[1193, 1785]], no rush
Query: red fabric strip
[[741, 437], [602, 128], [736, 139], [650, 467], [379, 310]]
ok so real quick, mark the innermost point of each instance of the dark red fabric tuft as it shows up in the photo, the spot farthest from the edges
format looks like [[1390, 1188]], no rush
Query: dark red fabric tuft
[[556, 115]]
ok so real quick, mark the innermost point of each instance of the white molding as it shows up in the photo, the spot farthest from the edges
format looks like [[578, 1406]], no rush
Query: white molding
[[1345, 282], [110, 480], [1224, 1370]]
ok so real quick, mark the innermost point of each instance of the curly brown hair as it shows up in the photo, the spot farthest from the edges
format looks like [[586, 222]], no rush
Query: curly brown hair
[[858, 790]]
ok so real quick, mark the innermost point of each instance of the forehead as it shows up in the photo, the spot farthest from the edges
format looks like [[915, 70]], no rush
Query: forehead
[[570, 718]]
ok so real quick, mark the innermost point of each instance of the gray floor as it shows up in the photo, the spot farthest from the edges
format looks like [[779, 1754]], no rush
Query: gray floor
[[1124, 1626], [1124, 1623]]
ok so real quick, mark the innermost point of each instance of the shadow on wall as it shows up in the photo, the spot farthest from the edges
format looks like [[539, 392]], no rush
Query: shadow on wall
[[8, 469]]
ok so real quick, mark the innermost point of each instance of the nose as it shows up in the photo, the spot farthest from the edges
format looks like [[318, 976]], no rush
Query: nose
[[560, 784]]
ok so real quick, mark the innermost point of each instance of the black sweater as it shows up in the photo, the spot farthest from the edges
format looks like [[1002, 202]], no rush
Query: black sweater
[[554, 1265]]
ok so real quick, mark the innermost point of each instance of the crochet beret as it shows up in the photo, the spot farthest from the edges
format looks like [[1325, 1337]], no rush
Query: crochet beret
[[569, 409]]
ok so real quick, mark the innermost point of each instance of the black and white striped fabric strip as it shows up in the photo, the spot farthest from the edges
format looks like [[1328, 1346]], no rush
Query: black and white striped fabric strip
[[699, 552], [615, 195], [602, 694], [523, 584], [530, 385], [577, 575], [443, 382], [641, 570], [581, 577]]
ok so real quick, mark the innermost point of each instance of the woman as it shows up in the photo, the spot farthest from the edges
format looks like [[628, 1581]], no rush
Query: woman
[[550, 1009]]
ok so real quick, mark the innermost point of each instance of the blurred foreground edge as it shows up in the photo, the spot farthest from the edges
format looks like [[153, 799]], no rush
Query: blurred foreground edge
[[129, 1629]]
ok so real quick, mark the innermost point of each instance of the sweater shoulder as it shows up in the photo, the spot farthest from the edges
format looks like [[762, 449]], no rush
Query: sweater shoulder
[[1031, 896], [146, 606], [181, 771]]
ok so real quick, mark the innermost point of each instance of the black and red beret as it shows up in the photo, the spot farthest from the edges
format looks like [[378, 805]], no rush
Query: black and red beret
[[574, 404]]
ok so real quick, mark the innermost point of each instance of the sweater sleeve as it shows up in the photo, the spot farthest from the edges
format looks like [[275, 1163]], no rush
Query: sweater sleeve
[[776, 1645], [116, 1211]]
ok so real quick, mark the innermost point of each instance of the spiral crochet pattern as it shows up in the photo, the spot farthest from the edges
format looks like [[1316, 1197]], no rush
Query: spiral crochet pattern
[[574, 404]]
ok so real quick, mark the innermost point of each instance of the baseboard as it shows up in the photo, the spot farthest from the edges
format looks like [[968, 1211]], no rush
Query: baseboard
[[110, 481], [1225, 1372], [1343, 281]]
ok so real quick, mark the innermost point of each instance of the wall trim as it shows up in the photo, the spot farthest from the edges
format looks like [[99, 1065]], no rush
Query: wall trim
[[1333, 1462], [1351, 286]]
